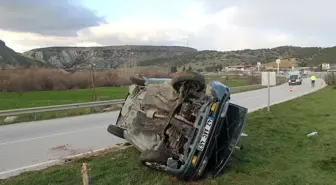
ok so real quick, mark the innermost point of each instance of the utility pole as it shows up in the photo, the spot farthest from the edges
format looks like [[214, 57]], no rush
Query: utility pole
[[258, 65], [269, 91], [278, 63], [94, 97]]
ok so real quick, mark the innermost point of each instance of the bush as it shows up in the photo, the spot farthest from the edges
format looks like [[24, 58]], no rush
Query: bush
[[280, 80], [253, 80], [330, 78], [41, 79]]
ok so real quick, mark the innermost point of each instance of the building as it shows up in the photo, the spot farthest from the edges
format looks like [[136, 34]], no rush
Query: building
[[235, 68], [332, 67], [250, 68], [325, 66]]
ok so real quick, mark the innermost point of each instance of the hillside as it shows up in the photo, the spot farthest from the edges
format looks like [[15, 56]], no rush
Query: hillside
[[104, 57], [9, 57], [163, 56], [305, 56]]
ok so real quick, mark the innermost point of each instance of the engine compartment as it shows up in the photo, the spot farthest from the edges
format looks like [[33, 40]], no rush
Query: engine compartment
[[181, 126]]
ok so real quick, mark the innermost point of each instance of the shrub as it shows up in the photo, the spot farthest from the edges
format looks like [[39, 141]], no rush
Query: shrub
[[253, 80], [42, 79], [330, 78]]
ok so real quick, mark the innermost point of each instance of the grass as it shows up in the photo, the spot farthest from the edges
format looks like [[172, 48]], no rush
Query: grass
[[233, 81], [276, 151], [46, 98]]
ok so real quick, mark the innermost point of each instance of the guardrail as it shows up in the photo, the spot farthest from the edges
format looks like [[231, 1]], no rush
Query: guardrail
[[34, 110]]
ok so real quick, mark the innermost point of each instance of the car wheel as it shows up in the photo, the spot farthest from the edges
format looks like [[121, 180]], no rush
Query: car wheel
[[153, 156], [115, 130], [180, 77], [138, 79]]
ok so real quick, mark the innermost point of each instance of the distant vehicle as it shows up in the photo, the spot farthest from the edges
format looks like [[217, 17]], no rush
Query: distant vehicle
[[295, 79]]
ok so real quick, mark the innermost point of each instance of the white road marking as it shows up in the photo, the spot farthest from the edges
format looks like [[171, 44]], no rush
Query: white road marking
[[42, 165], [18, 170], [47, 136]]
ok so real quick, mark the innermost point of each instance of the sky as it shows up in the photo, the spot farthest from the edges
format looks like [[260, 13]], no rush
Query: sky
[[202, 24]]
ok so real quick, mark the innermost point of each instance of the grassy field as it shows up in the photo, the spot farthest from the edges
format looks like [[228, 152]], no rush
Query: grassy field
[[233, 81], [276, 151], [45, 98]]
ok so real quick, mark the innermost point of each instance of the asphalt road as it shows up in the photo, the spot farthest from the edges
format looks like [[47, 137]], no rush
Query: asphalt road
[[28, 145]]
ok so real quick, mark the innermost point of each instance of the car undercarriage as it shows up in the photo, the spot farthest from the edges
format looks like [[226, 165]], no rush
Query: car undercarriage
[[177, 126]]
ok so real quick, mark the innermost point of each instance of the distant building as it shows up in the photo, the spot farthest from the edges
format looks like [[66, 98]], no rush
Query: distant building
[[325, 66], [235, 68], [332, 67], [250, 68]]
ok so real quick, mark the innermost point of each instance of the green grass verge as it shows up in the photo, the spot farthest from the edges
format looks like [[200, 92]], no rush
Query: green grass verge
[[46, 98], [233, 81], [276, 151]]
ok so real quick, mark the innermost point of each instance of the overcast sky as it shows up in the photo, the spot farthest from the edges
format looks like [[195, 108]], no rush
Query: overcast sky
[[205, 24]]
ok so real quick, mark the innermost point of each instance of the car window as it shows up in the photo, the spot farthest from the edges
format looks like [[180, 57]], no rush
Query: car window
[[294, 76]]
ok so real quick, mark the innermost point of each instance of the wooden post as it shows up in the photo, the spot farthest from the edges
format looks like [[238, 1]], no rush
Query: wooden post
[[85, 176]]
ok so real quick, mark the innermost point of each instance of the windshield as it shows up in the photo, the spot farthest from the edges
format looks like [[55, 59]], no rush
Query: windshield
[[294, 76]]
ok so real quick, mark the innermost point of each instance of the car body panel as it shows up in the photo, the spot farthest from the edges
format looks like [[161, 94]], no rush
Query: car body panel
[[226, 121], [219, 89]]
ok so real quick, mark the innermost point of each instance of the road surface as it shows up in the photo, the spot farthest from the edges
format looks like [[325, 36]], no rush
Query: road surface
[[27, 145]]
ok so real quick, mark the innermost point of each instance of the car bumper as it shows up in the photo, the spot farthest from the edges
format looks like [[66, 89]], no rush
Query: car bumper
[[294, 83]]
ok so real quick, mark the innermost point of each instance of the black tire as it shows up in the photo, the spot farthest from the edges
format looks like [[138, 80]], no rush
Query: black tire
[[115, 130], [138, 79], [180, 77], [153, 156]]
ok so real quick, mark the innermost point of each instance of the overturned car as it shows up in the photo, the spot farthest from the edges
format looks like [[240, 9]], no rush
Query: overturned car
[[180, 126]]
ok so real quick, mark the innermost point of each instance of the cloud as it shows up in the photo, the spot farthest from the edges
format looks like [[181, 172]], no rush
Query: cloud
[[306, 20], [203, 24], [46, 17]]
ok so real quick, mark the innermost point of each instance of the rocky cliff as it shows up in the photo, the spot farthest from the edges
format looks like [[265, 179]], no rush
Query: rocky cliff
[[9, 57], [104, 57]]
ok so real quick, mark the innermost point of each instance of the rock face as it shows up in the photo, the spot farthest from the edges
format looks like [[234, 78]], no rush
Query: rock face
[[103, 57], [9, 57]]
